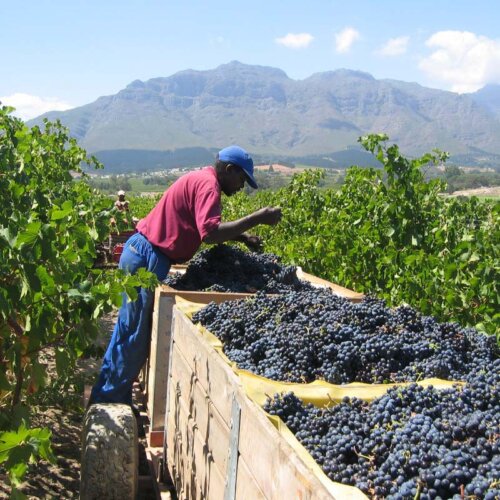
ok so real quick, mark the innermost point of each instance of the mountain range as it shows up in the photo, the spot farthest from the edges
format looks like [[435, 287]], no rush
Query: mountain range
[[183, 119]]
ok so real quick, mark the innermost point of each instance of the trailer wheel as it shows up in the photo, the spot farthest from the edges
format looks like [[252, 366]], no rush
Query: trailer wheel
[[110, 453]]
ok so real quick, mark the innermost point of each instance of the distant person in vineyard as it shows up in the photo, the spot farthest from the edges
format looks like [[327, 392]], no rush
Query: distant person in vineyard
[[121, 203], [188, 214]]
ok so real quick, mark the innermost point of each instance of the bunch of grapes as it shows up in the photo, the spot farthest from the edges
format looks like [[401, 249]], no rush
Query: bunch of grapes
[[413, 442], [224, 268], [301, 336]]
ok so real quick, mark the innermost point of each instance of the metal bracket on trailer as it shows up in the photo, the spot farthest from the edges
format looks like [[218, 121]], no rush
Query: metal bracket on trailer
[[234, 440]]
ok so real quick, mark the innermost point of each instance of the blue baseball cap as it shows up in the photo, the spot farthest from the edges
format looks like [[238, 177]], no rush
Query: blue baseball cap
[[238, 156]]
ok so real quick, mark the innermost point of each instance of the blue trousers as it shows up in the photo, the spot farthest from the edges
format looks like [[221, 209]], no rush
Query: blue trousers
[[128, 348]]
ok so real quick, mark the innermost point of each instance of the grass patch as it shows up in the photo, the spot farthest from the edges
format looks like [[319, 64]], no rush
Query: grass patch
[[137, 186]]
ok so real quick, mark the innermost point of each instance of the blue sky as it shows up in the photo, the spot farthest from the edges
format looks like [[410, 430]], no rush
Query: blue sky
[[61, 54]]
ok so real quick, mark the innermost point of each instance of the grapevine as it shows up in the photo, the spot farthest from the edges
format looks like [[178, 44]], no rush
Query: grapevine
[[50, 295]]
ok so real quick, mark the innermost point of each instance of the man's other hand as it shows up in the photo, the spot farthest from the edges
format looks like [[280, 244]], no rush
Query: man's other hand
[[253, 243]]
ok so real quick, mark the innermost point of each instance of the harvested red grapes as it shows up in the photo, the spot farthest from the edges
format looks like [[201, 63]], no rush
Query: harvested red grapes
[[413, 442], [225, 268], [308, 335]]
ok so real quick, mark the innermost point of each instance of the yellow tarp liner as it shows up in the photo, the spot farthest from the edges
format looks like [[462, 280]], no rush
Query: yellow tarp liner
[[319, 392]]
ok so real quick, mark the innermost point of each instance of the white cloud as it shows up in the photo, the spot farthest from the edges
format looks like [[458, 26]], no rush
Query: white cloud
[[295, 40], [29, 106], [345, 38], [464, 60], [394, 46]]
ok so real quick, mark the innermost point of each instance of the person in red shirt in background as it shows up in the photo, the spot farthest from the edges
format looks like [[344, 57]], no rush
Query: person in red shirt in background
[[188, 214]]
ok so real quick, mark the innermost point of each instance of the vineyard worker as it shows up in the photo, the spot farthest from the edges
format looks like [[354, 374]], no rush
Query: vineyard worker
[[188, 214], [121, 203]]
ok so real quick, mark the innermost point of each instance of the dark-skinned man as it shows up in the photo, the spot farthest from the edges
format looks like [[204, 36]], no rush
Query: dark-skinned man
[[188, 214]]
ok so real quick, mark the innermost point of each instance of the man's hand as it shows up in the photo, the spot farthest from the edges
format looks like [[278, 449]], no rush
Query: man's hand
[[253, 243], [268, 215]]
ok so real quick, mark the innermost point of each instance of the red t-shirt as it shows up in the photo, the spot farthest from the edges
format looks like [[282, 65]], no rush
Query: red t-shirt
[[188, 210]]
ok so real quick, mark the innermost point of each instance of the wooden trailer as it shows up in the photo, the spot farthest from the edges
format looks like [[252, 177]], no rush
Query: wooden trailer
[[220, 444], [216, 442]]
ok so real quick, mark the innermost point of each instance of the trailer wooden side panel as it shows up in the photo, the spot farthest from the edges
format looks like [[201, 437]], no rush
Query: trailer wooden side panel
[[156, 385], [203, 391], [201, 408], [199, 442]]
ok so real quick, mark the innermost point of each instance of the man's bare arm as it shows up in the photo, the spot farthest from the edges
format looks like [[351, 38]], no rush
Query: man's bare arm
[[234, 229]]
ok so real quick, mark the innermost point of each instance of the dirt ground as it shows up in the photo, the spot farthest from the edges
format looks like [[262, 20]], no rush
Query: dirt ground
[[61, 480]]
